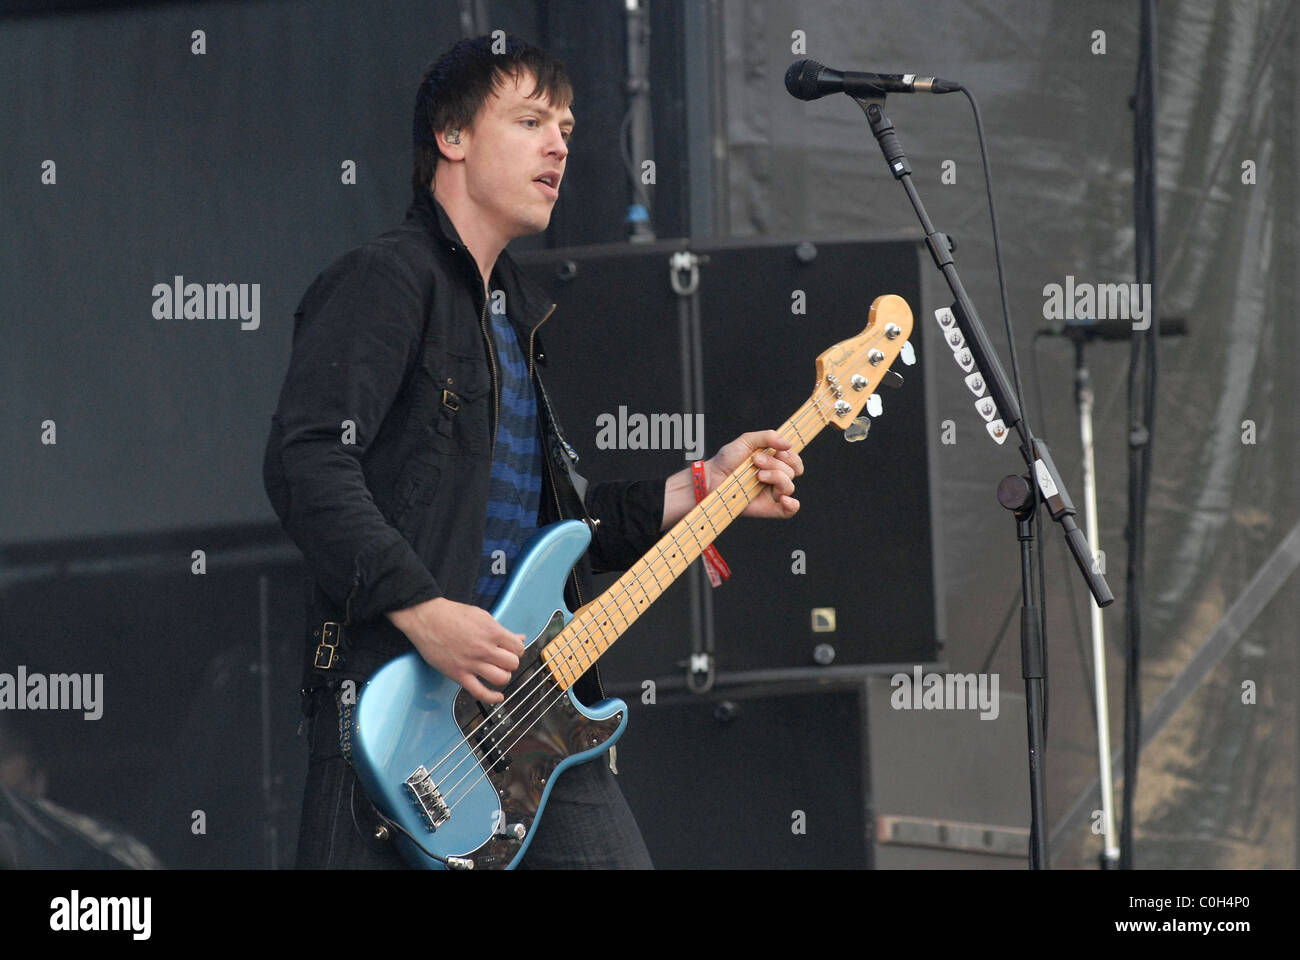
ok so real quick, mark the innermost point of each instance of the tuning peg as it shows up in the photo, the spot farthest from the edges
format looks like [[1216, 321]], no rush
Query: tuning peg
[[857, 430], [875, 406], [892, 380], [908, 354]]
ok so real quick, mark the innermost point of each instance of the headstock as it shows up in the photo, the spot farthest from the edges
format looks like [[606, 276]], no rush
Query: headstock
[[851, 371]]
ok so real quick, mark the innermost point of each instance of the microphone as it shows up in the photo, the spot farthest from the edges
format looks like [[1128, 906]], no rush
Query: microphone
[[1112, 329], [809, 80]]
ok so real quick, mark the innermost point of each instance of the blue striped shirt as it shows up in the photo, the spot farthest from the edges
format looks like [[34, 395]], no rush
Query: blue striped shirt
[[516, 484]]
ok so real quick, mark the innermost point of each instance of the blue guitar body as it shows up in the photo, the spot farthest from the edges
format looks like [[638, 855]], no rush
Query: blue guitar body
[[468, 781]]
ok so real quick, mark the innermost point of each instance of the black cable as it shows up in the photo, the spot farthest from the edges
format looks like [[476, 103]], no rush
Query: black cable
[[1142, 401], [387, 821], [987, 662], [640, 190], [1020, 399], [997, 259]]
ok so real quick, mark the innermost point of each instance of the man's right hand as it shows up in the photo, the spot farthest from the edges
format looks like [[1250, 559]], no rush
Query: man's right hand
[[463, 643]]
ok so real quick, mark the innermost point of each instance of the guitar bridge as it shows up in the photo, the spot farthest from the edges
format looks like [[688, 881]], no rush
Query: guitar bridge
[[427, 797]]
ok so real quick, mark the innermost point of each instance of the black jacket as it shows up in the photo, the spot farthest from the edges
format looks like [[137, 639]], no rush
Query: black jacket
[[381, 447]]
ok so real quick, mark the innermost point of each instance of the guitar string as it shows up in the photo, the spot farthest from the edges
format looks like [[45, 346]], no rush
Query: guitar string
[[584, 631]]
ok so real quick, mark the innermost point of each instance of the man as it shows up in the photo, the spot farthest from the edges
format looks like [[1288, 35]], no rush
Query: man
[[413, 441]]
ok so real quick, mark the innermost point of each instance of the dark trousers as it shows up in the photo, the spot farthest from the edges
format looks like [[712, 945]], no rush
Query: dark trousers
[[586, 823]]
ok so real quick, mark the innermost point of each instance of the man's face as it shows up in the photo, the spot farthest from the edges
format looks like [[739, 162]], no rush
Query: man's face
[[516, 145]]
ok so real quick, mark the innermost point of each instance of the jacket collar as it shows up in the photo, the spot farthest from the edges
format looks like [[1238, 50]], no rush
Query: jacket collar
[[520, 290]]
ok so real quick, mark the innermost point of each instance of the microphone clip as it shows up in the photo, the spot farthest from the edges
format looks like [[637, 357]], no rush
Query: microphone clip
[[883, 128]]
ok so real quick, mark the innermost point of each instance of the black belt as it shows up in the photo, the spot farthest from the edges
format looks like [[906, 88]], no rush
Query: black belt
[[333, 656]]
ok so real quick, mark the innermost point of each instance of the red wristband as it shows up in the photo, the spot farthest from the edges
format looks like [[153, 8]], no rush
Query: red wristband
[[715, 566]]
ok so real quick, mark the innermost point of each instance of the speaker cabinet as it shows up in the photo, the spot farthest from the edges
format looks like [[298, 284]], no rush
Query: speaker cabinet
[[851, 578], [950, 789], [751, 775]]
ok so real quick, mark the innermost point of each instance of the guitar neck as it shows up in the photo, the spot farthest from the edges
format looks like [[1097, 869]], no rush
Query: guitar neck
[[596, 626]]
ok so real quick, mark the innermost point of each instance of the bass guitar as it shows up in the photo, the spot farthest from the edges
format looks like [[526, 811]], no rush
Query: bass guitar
[[462, 784]]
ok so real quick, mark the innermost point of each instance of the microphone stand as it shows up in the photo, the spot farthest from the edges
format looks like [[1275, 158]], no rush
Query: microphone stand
[[1083, 398], [1020, 497]]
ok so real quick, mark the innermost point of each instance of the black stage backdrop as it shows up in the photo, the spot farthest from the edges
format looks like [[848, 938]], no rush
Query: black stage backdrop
[[133, 441]]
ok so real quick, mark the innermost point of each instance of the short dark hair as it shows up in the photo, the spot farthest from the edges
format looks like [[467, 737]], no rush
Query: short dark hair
[[457, 84]]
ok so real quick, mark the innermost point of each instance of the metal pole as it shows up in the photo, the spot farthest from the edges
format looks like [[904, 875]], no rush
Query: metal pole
[[1109, 858], [639, 126]]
